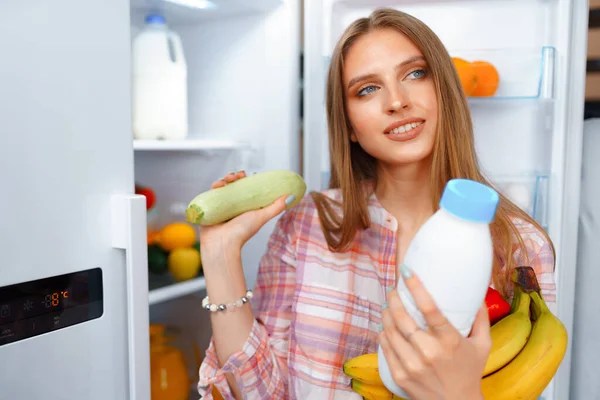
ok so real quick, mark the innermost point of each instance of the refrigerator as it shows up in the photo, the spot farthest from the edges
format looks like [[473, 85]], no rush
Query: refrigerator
[[76, 297]]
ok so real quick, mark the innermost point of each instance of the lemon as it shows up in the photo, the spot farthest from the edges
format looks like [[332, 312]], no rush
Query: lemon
[[177, 235], [184, 263]]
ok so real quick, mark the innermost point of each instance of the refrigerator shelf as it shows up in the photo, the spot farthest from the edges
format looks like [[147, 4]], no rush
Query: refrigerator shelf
[[525, 73], [196, 11], [164, 288], [187, 145]]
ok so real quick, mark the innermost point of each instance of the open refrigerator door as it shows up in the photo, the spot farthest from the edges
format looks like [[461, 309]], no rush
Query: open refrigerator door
[[527, 134], [236, 68]]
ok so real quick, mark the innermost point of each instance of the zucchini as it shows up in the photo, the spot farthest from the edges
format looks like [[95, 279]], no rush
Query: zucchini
[[249, 193]]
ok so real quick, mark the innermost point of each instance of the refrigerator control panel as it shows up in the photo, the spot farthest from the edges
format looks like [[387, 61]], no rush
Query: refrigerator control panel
[[32, 308]]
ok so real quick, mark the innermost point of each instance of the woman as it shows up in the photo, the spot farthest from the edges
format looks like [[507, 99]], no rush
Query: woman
[[399, 129]]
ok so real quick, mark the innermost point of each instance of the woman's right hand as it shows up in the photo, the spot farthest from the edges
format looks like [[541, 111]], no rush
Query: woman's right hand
[[227, 238]]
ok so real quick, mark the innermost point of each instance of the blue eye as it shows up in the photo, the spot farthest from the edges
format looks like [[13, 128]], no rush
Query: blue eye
[[418, 74], [367, 90]]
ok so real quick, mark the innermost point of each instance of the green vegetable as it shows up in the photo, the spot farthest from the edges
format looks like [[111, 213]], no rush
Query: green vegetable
[[157, 259], [196, 246], [250, 193]]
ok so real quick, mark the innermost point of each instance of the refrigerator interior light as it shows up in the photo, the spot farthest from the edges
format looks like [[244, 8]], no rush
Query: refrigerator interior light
[[201, 4]]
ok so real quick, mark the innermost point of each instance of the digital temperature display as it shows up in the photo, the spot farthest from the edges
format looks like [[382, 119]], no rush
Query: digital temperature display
[[54, 299], [31, 308]]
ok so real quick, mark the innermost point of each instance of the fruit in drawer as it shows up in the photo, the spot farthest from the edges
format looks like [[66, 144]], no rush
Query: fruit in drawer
[[177, 235], [466, 74], [184, 263], [487, 79], [153, 237], [157, 259], [479, 78], [148, 193]]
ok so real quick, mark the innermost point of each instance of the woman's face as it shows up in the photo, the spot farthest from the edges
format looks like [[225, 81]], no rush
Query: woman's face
[[390, 97]]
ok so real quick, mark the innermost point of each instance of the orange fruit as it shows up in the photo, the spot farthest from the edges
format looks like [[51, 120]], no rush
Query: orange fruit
[[466, 74], [153, 237], [176, 235], [487, 79]]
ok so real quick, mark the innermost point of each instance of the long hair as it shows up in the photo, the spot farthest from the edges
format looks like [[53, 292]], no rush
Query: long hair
[[453, 156]]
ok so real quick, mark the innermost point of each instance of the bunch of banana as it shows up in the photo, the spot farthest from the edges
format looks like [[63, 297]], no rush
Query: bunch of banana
[[373, 392], [523, 359], [531, 370], [365, 377], [510, 334]]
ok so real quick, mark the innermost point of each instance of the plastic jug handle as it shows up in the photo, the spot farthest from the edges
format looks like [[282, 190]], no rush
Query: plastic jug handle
[[175, 48]]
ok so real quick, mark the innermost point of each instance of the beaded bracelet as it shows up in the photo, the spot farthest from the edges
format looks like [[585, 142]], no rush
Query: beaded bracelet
[[229, 306]]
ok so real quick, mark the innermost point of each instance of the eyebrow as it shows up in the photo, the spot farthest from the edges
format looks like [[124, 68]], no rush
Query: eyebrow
[[361, 78]]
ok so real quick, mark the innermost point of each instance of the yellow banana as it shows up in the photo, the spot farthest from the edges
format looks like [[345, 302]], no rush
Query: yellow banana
[[528, 374], [373, 392], [510, 334], [364, 368]]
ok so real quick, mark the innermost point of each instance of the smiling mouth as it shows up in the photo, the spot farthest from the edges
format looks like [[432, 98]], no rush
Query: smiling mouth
[[405, 128]]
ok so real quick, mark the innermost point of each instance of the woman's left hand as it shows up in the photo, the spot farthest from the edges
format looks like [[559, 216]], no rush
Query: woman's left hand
[[438, 363]]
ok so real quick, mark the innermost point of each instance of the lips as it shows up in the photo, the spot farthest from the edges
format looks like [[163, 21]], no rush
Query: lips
[[404, 131], [403, 126]]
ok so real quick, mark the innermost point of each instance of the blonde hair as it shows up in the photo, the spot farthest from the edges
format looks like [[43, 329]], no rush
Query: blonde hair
[[453, 152]]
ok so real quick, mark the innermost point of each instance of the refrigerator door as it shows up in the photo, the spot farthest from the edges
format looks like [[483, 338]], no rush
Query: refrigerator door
[[73, 293], [315, 138], [571, 143]]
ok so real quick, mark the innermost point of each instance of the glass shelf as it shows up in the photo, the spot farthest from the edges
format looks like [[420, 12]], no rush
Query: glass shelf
[[525, 73], [164, 288], [528, 192], [187, 145]]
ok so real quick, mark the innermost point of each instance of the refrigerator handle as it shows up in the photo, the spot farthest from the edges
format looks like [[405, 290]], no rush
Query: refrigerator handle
[[128, 221]]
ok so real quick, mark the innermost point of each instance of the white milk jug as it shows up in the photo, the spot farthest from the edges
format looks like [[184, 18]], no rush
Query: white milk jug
[[452, 254], [159, 106]]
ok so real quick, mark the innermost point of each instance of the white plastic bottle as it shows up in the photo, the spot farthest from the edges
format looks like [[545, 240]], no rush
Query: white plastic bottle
[[452, 254], [160, 109]]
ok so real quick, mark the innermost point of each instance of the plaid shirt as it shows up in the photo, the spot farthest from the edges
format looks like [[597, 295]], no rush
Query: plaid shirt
[[315, 309]]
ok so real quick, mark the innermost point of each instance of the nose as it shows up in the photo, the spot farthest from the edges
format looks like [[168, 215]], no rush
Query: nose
[[397, 100]]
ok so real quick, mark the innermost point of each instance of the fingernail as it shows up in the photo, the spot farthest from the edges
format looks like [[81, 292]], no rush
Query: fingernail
[[384, 306], [405, 271], [380, 328], [389, 289], [290, 199]]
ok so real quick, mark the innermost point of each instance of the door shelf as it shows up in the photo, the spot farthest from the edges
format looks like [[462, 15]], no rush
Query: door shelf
[[528, 192], [187, 145], [164, 288], [525, 73]]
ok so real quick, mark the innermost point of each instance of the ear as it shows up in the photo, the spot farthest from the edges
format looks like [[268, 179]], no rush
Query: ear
[[353, 137]]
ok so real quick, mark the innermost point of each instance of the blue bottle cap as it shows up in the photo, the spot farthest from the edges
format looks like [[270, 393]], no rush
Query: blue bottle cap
[[470, 200], [155, 19]]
